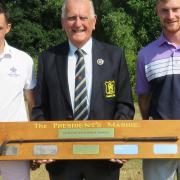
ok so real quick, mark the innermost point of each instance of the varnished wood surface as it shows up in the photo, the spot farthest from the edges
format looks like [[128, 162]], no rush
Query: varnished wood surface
[[143, 134]]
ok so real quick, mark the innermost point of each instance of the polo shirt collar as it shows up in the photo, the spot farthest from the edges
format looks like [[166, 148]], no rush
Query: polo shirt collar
[[7, 51], [162, 39]]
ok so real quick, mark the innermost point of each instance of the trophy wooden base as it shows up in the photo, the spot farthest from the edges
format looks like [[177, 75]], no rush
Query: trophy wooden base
[[102, 139]]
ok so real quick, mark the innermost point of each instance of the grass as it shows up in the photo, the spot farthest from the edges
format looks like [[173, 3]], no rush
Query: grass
[[40, 174], [132, 170]]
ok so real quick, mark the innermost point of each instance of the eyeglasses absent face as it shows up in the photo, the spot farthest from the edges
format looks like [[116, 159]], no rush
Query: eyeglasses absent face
[[4, 27], [169, 14]]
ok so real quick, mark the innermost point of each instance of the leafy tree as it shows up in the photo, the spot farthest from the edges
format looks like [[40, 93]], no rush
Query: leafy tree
[[119, 29], [36, 24], [146, 23]]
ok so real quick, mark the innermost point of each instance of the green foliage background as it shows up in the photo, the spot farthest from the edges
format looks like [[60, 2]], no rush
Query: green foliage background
[[130, 24]]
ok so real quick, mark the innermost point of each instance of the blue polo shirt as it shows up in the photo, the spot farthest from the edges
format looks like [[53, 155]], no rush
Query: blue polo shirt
[[158, 74]]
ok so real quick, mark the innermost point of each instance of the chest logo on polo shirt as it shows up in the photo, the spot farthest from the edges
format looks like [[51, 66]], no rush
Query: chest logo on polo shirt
[[13, 72], [109, 89]]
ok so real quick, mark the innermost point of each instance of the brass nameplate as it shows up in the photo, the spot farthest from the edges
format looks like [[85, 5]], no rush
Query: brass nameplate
[[165, 149], [45, 150], [86, 133], [86, 149], [130, 149], [11, 151]]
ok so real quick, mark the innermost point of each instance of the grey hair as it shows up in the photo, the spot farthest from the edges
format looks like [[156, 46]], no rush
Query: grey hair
[[63, 9]]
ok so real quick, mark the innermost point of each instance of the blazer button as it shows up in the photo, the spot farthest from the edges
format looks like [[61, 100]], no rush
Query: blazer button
[[70, 116]]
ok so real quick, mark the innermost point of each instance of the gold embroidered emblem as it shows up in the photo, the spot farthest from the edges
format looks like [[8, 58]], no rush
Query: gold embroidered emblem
[[110, 89]]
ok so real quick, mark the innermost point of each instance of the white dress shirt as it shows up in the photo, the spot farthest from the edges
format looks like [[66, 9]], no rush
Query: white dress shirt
[[72, 58]]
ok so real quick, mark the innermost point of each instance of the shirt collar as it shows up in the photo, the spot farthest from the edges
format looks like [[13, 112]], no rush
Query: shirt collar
[[7, 50], [162, 39], [87, 47]]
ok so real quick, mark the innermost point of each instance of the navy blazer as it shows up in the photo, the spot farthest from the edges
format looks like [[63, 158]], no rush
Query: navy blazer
[[111, 96]]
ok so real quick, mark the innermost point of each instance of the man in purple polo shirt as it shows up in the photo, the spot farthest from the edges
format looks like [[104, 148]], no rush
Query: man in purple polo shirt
[[158, 81]]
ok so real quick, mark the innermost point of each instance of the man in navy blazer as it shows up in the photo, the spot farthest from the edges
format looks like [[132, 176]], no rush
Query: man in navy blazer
[[108, 87]]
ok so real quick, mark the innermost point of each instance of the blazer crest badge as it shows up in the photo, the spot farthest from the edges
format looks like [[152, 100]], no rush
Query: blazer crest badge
[[109, 89]]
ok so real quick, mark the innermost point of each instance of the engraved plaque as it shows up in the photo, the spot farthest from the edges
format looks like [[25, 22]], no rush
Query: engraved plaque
[[11, 150], [165, 149], [45, 149], [86, 133], [91, 139], [126, 149], [86, 149]]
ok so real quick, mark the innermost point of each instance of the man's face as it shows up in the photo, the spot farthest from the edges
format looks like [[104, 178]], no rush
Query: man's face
[[4, 28], [169, 14], [78, 22]]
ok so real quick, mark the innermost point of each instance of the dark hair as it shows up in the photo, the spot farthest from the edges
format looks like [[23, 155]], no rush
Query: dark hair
[[3, 10]]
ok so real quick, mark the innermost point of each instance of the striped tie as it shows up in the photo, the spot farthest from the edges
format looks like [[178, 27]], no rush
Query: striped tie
[[80, 101]]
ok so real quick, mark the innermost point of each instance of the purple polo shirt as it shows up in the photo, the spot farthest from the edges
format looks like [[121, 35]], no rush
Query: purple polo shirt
[[158, 73]]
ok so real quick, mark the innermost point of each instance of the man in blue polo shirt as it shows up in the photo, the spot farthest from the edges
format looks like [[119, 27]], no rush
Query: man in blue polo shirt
[[158, 81]]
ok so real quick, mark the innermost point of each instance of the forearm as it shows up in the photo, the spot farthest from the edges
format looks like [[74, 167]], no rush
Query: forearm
[[29, 97]]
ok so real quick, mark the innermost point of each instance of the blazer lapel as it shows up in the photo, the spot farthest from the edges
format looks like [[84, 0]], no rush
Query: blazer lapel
[[62, 62], [97, 70]]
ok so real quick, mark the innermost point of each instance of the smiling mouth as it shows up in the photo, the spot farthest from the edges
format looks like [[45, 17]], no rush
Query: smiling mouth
[[171, 22], [78, 31]]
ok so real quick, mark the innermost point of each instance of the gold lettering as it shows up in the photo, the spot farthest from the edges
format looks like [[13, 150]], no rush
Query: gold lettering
[[123, 125], [40, 126], [77, 125]]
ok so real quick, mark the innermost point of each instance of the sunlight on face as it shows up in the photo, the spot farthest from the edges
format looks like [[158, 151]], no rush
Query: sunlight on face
[[4, 28], [78, 21], [169, 14]]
